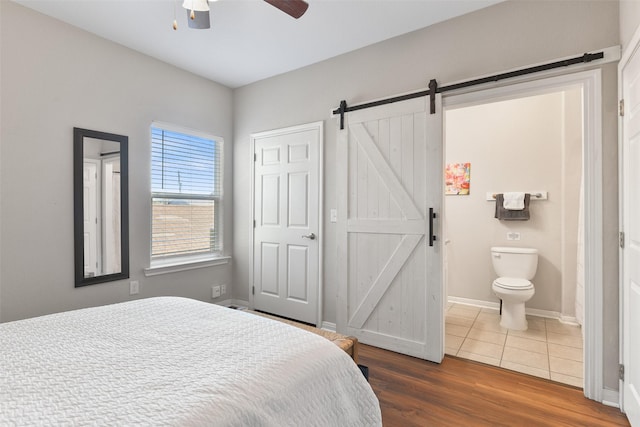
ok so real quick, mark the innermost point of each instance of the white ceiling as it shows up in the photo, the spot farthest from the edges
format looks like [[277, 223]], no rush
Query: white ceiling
[[250, 40]]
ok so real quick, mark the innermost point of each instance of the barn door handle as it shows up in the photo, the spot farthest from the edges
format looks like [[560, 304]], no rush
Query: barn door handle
[[309, 236], [432, 216]]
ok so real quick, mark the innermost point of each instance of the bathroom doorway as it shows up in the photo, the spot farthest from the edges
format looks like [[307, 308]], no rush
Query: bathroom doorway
[[526, 137]]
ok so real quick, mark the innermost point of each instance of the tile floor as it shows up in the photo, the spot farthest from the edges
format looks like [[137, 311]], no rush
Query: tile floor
[[548, 349]]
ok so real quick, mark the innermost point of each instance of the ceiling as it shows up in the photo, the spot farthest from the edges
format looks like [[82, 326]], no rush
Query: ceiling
[[250, 40]]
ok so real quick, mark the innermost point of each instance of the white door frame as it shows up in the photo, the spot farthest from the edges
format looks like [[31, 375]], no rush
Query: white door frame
[[590, 81], [299, 128]]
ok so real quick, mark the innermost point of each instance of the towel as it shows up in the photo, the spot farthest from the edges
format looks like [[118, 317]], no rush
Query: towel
[[514, 201], [508, 215]]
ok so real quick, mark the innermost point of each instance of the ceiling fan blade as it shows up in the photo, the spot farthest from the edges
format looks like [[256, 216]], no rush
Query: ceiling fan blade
[[295, 8]]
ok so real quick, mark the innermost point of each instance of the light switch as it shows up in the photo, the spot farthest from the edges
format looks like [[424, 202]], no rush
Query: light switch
[[334, 215]]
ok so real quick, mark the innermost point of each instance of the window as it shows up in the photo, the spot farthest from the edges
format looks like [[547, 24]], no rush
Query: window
[[186, 195]]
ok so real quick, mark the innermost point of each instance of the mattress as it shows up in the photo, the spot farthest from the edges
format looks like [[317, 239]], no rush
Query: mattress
[[176, 362]]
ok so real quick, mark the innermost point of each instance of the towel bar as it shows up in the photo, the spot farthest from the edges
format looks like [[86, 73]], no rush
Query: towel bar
[[535, 195]]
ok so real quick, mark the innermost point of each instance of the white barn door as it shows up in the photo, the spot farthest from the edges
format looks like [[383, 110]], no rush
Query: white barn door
[[390, 291], [630, 81], [287, 217]]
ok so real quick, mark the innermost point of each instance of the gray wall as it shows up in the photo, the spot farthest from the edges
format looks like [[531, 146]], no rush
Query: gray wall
[[505, 36], [516, 145], [55, 77]]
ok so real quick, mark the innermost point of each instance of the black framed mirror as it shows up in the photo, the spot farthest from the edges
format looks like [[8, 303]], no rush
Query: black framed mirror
[[101, 206]]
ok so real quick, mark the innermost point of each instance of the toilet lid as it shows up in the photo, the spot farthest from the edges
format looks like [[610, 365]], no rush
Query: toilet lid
[[513, 283]]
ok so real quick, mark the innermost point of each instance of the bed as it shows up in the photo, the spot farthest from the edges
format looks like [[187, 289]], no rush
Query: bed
[[176, 362]]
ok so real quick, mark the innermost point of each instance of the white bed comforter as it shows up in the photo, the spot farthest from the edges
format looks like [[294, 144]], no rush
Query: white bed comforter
[[175, 361]]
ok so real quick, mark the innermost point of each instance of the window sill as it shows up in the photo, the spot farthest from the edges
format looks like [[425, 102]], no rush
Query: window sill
[[175, 266]]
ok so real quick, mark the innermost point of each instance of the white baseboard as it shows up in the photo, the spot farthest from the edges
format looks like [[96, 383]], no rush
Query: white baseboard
[[328, 326], [229, 302], [241, 303], [475, 303], [542, 313], [611, 398], [496, 306], [569, 320]]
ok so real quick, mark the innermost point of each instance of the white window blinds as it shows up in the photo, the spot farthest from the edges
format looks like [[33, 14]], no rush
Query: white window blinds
[[186, 186]]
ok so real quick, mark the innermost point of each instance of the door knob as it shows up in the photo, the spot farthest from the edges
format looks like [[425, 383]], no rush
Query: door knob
[[309, 236]]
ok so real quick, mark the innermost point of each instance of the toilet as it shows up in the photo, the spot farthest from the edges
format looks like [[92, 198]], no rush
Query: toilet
[[515, 268]]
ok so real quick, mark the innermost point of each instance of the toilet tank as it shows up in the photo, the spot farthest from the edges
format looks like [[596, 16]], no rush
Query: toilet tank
[[515, 262]]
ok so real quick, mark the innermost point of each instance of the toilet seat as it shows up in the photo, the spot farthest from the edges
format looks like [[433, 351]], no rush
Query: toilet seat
[[513, 283]]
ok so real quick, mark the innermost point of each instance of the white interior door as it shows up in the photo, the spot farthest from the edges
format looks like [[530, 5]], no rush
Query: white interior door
[[90, 217], [111, 255], [287, 206], [390, 291], [630, 72]]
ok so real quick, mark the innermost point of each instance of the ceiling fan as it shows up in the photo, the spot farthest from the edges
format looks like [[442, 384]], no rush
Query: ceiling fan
[[198, 11]]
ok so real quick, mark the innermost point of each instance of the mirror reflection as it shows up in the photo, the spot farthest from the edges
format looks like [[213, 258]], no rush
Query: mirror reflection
[[100, 211], [101, 207]]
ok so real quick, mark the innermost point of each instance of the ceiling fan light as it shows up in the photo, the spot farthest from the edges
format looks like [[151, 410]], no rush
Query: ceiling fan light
[[197, 5], [201, 20]]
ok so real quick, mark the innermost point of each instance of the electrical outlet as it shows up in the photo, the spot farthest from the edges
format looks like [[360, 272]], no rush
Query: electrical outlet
[[223, 289], [215, 291], [512, 235], [134, 287]]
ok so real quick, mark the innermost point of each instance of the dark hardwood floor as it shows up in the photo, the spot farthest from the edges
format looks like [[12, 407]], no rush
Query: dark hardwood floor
[[458, 392]]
